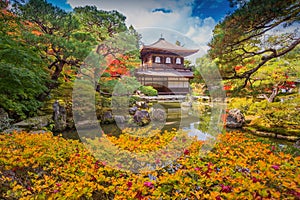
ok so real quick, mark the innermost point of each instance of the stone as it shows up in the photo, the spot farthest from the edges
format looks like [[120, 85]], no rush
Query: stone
[[107, 118], [70, 122], [142, 117], [34, 123], [38, 132], [138, 92], [132, 110], [297, 144], [120, 119], [158, 114], [4, 120], [235, 119], [142, 104], [13, 130], [59, 117]]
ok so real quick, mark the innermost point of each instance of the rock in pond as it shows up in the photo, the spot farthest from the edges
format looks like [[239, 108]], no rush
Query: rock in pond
[[107, 118], [132, 110], [120, 119], [142, 117], [235, 119], [142, 104], [158, 114]]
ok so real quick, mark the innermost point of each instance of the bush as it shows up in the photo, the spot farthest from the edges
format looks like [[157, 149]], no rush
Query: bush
[[133, 100], [240, 103], [23, 73], [40, 166], [199, 89], [148, 90], [277, 114]]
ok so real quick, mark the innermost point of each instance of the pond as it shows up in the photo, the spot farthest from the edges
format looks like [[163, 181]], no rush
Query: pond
[[196, 120]]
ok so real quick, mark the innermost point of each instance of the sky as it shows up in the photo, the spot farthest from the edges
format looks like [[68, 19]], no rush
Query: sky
[[189, 21]]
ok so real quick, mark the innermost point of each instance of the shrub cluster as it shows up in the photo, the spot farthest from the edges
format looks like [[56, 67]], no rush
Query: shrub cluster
[[282, 116], [41, 166], [148, 90]]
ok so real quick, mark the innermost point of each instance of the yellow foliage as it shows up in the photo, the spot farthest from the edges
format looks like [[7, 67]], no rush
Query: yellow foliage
[[41, 166]]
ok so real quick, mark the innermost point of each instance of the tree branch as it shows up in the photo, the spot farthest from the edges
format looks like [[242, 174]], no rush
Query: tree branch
[[52, 64], [275, 24], [246, 75]]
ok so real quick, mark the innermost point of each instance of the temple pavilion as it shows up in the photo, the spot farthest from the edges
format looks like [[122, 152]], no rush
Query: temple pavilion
[[163, 68]]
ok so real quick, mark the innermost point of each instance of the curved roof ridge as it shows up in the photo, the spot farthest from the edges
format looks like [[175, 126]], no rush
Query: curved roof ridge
[[162, 44]]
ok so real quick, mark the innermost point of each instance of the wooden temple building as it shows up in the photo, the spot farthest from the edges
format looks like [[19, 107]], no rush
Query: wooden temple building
[[163, 68]]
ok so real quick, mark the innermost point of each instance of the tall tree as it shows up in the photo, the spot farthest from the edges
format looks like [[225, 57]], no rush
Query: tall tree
[[254, 34], [66, 38], [57, 40], [23, 75], [101, 24]]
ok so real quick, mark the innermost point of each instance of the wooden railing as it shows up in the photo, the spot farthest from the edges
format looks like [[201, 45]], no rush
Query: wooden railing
[[163, 67]]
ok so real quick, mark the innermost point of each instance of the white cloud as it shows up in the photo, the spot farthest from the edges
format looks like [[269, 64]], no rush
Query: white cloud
[[139, 14], [203, 31]]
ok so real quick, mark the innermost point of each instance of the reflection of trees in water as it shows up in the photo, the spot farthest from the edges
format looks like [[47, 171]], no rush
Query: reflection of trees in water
[[199, 134], [199, 116], [204, 119], [177, 117]]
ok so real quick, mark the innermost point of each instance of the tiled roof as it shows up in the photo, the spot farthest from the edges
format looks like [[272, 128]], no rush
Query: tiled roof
[[164, 45]]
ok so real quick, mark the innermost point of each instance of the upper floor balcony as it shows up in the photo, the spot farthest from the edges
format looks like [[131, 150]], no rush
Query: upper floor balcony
[[163, 67]]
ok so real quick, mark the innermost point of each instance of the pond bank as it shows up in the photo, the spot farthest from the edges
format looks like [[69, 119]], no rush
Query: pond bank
[[179, 117], [270, 134]]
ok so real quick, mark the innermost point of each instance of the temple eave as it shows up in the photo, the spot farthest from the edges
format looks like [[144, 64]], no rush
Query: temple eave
[[183, 53]]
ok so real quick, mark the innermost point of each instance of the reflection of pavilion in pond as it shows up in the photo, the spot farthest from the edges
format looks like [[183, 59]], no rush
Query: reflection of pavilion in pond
[[163, 67]]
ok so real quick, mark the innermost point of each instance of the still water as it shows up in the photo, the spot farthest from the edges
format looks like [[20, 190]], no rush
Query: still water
[[195, 120]]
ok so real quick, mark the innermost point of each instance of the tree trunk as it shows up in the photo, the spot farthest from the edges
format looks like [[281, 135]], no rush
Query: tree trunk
[[54, 77], [273, 95], [58, 69]]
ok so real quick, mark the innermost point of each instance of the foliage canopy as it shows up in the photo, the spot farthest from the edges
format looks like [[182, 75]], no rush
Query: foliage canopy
[[255, 34], [23, 75]]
